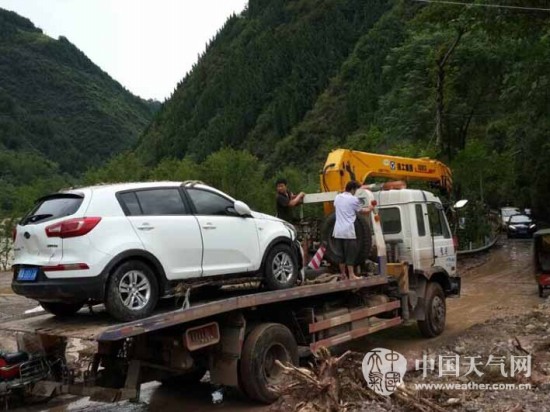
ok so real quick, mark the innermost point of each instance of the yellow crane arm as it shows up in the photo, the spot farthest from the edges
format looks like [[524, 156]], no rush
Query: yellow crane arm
[[343, 165]]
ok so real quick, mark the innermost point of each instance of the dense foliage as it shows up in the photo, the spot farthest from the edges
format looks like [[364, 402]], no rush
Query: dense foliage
[[59, 113], [288, 81]]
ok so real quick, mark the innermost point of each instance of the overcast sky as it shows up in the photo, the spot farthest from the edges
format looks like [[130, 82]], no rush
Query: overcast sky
[[146, 45]]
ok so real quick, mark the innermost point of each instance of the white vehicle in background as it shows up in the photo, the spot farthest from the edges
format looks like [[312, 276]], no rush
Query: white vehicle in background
[[506, 213], [127, 245]]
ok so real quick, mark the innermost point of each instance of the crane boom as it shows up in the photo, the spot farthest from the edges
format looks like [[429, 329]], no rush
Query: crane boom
[[343, 165]]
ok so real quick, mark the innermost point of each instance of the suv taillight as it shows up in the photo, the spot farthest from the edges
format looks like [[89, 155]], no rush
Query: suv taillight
[[72, 227], [14, 234], [455, 242]]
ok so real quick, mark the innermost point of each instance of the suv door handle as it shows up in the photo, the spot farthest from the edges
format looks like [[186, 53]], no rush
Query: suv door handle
[[209, 226], [146, 228]]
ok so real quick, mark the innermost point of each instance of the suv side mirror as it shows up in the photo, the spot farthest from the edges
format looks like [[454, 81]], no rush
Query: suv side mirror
[[242, 208]]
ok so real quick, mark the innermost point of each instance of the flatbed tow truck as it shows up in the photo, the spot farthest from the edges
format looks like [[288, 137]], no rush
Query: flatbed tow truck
[[236, 337], [238, 334]]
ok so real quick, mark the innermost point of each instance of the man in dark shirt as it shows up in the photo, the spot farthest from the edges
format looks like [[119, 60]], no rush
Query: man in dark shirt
[[286, 200]]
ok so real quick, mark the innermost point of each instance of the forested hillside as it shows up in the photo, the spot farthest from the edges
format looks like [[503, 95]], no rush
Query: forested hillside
[[259, 76], [59, 113], [289, 80]]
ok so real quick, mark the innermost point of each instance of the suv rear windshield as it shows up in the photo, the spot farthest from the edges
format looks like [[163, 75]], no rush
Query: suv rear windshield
[[53, 207]]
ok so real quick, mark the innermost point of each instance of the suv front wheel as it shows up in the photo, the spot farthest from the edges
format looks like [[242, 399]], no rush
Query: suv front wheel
[[280, 269], [132, 291]]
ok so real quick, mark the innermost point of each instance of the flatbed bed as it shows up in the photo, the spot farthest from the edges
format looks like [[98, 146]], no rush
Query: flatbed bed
[[99, 326], [222, 334]]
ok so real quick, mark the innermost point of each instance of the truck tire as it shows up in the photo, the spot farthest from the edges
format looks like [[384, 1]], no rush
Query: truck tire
[[280, 268], [132, 291], [61, 309], [257, 369], [362, 233], [435, 309]]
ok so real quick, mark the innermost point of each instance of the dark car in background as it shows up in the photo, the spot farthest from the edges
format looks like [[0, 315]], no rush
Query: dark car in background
[[520, 225]]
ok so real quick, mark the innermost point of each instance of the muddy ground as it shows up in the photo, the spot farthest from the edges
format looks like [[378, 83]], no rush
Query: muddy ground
[[499, 302]]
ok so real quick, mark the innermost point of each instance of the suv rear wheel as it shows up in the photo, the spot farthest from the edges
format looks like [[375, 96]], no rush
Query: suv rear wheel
[[132, 291]]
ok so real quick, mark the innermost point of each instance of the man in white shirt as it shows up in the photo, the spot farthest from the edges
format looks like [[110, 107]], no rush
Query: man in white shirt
[[347, 206]]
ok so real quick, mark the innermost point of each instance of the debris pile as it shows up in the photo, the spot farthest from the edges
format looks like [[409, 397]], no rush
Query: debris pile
[[336, 383]]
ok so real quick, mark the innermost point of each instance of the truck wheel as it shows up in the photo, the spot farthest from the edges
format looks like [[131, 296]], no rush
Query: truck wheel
[[281, 270], [61, 309], [435, 309], [258, 372], [362, 233], [132, 291]]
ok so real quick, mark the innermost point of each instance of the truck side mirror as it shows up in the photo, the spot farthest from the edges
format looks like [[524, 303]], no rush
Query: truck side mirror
[[460, 204]]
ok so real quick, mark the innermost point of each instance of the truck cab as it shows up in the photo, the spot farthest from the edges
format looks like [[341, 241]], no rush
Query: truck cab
[[413, 244], [416, 231]]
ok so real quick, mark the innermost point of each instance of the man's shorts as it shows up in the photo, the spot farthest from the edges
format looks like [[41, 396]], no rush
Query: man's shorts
[[346, 251]]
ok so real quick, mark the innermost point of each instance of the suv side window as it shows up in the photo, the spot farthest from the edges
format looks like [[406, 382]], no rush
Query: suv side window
[[438, 223], [391, 220], [153, 202], [129, 203], [209, 203]]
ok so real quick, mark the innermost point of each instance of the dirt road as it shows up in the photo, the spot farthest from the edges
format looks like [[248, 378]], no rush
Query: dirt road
[[502, 285]]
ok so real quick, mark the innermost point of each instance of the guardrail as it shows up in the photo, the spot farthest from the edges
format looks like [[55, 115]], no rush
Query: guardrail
[[480, 249]]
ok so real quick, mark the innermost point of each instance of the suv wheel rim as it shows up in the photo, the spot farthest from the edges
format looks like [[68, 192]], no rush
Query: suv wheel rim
[[135, 290], [282, 267]]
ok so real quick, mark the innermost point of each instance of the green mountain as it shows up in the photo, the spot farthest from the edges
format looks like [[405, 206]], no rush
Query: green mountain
[[59, 113], [290, 80], [259, 76], [57, 103]]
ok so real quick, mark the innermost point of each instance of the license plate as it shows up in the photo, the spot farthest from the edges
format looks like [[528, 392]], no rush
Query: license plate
[[27, 274]]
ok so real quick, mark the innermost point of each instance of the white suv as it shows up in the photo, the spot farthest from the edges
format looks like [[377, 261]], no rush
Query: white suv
[[127, 245]]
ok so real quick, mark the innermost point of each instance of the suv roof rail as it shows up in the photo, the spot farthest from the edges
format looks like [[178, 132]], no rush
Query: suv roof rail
[[193, 182]]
